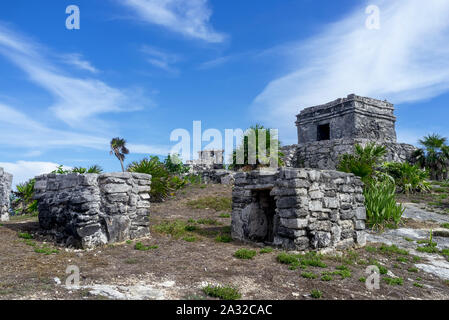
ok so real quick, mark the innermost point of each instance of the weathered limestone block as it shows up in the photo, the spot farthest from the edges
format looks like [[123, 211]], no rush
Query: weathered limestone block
[[299, 209], [5, 193], [94, 209]]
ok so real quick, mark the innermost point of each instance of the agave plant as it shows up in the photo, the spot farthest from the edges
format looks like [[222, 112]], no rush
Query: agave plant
[[118, 148], [408, 178]]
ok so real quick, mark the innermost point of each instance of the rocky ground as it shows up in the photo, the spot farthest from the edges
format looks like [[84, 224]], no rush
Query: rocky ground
[[188, 249]]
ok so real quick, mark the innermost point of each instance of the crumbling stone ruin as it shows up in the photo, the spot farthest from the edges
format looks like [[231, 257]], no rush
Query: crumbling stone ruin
[[327, 131], [209, 166], [299, 209], [88, 210], [5, 193]]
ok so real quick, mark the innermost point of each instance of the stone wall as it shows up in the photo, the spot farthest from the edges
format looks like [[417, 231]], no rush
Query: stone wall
[[219, 176], [5, 193], [299, 209], [94, 209], [325, 154], [353, 117]]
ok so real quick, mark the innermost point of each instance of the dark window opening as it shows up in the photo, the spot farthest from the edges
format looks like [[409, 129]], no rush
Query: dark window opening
[[324, 132], [267, 217]]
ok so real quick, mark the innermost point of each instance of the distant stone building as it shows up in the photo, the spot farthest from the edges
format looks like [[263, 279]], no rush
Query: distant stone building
[[5, 193], [327, 131]]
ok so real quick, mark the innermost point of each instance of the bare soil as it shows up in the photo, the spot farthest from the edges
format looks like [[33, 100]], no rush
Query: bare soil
[[187, 266]]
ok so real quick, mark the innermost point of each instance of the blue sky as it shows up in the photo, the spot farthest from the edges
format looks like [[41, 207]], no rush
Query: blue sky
[[139, 69]]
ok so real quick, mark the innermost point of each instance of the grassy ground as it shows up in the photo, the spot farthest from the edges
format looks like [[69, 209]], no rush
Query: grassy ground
[[191, 247]]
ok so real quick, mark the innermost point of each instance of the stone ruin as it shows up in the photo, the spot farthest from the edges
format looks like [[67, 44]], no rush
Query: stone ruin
[[210, 166], [299, 209], [5, 193], [87, 210], [327, 131]]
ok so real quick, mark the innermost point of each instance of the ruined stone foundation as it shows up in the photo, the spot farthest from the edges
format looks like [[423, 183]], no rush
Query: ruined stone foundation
[[299, 209], [94, 209]]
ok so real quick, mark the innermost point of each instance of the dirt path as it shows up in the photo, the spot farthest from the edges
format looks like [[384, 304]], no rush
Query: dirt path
[[183, 262]]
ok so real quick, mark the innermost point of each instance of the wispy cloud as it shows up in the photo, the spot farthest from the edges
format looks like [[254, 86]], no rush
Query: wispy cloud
[[76, 99], [77, 60], [190, 18], [161, 59], [22, 171], [406, 60]]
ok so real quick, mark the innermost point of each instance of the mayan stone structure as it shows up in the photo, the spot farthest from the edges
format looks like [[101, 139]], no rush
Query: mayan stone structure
[[5, 193], [209, 166], [327, 131], [94, 209], [299, 209]]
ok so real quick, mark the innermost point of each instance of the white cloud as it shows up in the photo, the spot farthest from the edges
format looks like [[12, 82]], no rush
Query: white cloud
[[406, 60], [76, 99], [190, 18], [77, 60], [160, 59], [22, 171]]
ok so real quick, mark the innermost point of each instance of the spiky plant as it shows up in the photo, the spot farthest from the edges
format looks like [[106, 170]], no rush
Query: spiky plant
[[118, 148]]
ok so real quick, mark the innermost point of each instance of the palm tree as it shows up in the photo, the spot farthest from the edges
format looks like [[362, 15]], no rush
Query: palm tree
[[118, 148], [434, 156]]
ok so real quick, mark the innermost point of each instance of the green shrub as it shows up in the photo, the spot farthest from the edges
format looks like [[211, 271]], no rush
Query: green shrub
[[380, 203], [408, 178], [326, 277], [363, 162], [160, 177], [222, 292], [23, 202], [245, 254], [175, 228], [174, 165]]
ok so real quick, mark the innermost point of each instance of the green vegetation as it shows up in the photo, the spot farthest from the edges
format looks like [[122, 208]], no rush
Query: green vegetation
[[225, 215], [23, 202], [214, 203], [243, 156], [434, 156], [392, 249], [118, 148], [92, 169], [222, 292], [343, 271], [445, 225], [176, 228], [316, 294], [370, 249], [412, 269], [223, 238], [326, 277], [45, 250], [362, 279], [25, 235], [402, 259], [381, 205], [380, 188], [408, 178], [139, 246], [418, 285], [245, 254], [309, 275], [394, 281], [266, 250]]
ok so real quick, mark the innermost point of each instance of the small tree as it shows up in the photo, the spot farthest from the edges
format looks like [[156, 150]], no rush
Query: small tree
[[118, 148]]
